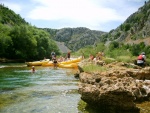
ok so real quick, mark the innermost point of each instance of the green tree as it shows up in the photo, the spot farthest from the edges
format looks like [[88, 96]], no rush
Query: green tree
[[127, 26], [5, 40], [24, 43], [113, 45]]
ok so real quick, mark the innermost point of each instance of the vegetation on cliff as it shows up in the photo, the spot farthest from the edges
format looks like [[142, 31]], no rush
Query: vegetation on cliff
[[134, 28]]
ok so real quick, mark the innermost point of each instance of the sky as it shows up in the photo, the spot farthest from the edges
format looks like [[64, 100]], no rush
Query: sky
[[102, 15]]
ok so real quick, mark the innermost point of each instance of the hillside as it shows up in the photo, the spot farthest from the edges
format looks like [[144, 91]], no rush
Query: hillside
[[76, 38], [135, 29]]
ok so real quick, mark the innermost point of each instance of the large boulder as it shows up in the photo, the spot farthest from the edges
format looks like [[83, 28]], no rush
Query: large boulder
[[113, 93]]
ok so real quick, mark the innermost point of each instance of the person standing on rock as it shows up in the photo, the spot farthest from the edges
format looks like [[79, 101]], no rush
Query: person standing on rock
[[141, 59]]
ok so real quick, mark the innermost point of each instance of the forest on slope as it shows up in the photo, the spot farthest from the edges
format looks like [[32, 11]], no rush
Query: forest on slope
[[20, 40]]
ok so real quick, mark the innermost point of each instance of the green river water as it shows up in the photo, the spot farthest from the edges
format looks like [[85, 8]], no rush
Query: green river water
[[48, 90]]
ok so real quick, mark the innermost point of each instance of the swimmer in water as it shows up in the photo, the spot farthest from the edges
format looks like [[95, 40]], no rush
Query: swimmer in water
[[33, 69]]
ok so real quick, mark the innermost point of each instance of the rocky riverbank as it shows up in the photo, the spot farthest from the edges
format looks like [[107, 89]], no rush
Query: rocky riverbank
[[116, 90]]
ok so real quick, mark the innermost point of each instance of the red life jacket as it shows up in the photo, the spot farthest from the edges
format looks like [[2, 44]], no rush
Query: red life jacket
[[140, 57]]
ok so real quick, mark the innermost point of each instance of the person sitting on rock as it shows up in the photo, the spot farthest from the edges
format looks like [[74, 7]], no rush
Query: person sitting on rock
[[91, 57], [141, 60]]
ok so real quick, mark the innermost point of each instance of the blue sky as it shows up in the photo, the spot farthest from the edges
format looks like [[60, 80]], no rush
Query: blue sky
[[102, 15]]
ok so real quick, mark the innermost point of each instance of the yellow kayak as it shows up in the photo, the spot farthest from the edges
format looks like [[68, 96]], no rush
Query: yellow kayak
[[37, 63], [71, 65], [50, 63], [72, 61]]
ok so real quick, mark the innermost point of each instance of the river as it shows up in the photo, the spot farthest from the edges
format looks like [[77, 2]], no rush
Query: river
[[48, 90]]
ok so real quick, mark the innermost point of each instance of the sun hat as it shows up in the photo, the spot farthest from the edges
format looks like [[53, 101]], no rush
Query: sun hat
[[143, 53]]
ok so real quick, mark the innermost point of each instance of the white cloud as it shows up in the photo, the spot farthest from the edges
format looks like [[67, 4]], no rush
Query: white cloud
[[14, 6], [88, 13], [77, 10], [93, 14]]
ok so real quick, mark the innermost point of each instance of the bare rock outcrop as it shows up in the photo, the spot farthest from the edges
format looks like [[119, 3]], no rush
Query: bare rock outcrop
[[117, 89]]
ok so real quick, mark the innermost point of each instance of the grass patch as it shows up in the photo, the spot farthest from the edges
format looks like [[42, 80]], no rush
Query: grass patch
[[127, 59], [94, 68], [108, 60]]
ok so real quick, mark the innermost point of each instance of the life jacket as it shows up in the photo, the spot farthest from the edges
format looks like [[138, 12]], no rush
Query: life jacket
[[140, 57]]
